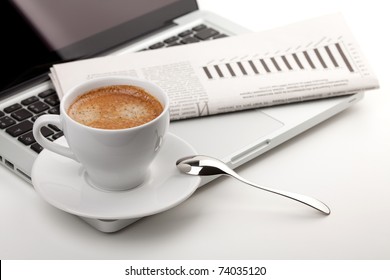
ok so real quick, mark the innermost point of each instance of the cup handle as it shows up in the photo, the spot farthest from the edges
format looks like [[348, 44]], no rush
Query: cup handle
[[51, 146]]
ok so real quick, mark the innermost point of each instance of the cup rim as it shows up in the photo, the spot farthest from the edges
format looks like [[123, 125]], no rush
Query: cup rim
[[128, 80]]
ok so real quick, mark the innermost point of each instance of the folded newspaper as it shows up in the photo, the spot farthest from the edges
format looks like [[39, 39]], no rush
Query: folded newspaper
[[318, 58]]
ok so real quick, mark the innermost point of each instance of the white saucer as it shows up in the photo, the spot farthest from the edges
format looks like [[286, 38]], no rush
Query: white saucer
[[62, 183]]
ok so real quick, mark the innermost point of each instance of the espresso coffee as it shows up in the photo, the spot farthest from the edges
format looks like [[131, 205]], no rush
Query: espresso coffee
[[115, 107]]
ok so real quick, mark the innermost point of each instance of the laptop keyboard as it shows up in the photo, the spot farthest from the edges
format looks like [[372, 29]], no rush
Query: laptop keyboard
[[18, 119], [197, 34]]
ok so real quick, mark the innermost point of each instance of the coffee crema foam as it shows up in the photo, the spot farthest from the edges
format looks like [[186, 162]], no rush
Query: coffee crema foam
[[115, 107]]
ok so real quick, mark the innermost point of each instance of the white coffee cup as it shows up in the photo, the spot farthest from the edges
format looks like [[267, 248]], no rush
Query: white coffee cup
[[115, 159]]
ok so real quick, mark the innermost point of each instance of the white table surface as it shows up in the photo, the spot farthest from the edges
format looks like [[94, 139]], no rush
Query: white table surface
[[344, 162]]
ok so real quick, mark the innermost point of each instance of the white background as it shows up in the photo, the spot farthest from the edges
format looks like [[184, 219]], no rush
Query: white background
[[344, 162]]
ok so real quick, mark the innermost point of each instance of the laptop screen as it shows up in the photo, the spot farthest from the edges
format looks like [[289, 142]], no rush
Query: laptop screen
[[43, 32]]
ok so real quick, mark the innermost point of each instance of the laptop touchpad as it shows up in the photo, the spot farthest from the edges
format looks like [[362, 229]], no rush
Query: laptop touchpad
[[221, 135]]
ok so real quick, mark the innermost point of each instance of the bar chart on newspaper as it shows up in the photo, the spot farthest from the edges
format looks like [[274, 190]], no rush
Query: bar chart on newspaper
[[324, 55]]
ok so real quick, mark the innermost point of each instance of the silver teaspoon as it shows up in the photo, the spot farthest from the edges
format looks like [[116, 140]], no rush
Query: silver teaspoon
[[208, 166]]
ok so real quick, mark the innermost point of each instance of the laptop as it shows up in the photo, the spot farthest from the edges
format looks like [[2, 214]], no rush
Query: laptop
[[54, 31]]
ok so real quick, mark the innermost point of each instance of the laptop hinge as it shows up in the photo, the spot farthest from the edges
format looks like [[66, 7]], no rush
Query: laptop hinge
[[25, 85]]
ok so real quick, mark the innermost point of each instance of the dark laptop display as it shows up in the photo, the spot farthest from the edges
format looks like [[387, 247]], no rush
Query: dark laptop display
[[74, 29]]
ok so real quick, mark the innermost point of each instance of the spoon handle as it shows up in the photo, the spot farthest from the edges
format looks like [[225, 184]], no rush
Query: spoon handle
[[309, 201]]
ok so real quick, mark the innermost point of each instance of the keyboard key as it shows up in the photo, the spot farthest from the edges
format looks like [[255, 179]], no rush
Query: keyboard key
[[52, 100], [54, 111], [175, 44], [57, 135], [199, 27], [189, 40], [219, 36], [21, 115], [12, 108], [52, 126], [29, 100], [207, 33], [20, 128], [46, 132], [2, 114], [171, 39], [6, 122], [38, 107], [46, 93], [157, 46], [185, 33], [36, 147], [27, 139], [33, 119]]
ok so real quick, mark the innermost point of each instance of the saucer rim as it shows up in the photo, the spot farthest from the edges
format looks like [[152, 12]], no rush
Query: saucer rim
[[54, 203]]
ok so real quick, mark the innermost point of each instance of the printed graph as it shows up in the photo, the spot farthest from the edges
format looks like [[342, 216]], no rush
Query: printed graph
[[328, 57]]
